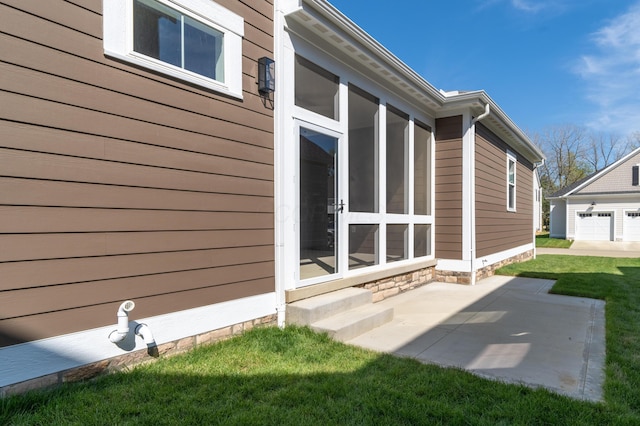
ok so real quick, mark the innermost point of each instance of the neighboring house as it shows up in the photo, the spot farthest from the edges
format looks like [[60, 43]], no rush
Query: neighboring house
[[604, 206], [133, 170]]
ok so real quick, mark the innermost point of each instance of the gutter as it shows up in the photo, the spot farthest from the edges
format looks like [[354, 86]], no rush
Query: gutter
[[522, 141], [472, 171]]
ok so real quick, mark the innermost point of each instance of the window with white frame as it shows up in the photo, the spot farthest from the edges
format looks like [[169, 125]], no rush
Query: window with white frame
[[511, 182], [316, 89], [193, 40]]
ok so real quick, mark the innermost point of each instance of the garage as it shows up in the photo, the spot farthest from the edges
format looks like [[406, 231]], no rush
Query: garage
[[594, 226], [631, 226]]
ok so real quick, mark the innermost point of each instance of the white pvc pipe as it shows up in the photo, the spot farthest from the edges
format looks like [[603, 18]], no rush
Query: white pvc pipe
[[144, 331], [120, 333]]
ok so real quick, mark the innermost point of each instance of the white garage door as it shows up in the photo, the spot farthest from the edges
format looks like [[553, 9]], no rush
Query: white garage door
[[631, 226], [594, 226]]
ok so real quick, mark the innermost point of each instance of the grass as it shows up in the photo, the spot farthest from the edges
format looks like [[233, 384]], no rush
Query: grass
[[543, 240], [297, 377]]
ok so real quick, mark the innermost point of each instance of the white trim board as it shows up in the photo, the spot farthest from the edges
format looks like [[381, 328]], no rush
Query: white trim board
[[48, 356], [454, 265]]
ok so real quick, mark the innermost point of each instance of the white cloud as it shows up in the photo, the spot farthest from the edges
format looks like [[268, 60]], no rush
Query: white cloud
[[529, 5], [612, 73]]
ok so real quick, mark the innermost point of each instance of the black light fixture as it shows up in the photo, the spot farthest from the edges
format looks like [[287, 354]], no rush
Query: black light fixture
[[593, 203], [266, 75]]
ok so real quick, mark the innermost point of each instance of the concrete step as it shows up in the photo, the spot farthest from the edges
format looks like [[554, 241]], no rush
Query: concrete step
[[309, 311], [347, 325]]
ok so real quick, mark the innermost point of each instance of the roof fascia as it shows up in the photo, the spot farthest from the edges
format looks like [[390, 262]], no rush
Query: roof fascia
[[505, 126], [386, 64]]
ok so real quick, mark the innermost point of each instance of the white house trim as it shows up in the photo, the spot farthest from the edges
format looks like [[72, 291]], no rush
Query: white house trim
[[47, 356], [454, 265], [504, 255], [482, 262]]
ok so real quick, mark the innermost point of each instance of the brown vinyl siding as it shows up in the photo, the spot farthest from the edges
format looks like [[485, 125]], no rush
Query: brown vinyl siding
[[496, 228], [448, 188], [120, 183]]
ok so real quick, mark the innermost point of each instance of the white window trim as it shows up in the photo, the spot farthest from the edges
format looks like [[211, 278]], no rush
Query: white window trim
[[118, 41], [512, 157]]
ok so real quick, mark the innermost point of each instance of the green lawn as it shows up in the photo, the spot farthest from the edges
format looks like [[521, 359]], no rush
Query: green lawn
[[543, 240], [293, 376]]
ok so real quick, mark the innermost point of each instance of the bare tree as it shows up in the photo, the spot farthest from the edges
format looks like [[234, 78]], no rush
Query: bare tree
[[633, 141], [573, 152], [604, 149], [566, 151]]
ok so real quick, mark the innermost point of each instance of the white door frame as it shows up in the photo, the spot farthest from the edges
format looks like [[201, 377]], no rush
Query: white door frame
[[340, 229]]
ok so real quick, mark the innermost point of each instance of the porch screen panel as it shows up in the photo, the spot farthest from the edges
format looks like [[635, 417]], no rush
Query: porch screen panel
[[363, 246], [363, 151], [397, 242], [397, 150], [421, 240], [316, 89], [422, 172]]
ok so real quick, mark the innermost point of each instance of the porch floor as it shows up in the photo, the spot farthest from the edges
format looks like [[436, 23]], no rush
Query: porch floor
[[503, 328]]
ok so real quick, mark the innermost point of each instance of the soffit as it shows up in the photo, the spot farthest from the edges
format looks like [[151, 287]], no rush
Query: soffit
[[319, 23], [497, 121]]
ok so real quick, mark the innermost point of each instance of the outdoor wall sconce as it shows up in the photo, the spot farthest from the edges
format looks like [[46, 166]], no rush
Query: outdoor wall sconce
[[266, 75], [593, 203]]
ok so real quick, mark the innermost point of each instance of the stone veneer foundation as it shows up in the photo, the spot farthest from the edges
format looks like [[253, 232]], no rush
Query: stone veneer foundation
[[486, 272], [391, 286], [89, 371]]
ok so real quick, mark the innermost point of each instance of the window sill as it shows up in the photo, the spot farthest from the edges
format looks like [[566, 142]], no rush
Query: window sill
[[177, 74]]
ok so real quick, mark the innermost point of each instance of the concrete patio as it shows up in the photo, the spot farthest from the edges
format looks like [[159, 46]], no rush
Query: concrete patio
[[597, 248], [503, 328]]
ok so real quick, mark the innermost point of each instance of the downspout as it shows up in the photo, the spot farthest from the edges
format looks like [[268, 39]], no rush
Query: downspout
[[278, 134], [472, 216], [535, 167], [485, 114]]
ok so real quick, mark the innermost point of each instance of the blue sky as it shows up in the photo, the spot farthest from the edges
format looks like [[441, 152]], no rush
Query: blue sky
[[545, 62]]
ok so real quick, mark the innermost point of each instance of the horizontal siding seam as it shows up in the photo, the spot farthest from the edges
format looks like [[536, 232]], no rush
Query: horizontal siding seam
[[143, 165], [155, 123], [156, 78], [150, 274], [54, 22], [116, 300], [116, 185], [100, 256], [82, 7]]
